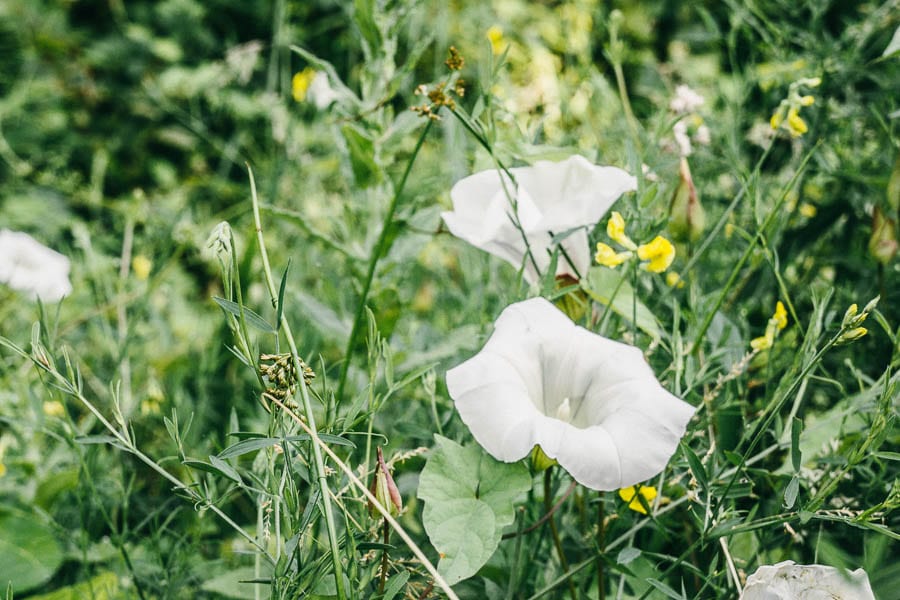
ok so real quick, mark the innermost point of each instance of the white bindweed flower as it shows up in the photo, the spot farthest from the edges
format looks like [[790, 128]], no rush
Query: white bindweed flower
[[31, 268], [789, 581], [552, 197], [591, 403]]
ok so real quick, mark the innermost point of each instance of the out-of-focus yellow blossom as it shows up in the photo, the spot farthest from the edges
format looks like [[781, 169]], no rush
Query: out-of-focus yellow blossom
[[495, 36], [674, 280], [659, 252], [776, 323], [141, 265], [808, 210], [608, 257], [615, 229], [729, 230], [54, 408], [300, 83], [632, 495], [796, 124], [788, 112], [2, 467], [780, 316]]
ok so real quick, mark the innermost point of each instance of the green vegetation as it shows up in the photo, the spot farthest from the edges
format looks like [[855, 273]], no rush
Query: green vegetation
[[245, 195]]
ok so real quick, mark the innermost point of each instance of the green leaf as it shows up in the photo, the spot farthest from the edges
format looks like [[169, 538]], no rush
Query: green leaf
[[232, 584], [104, 586], [796, 426], [791, 491], [696, 464], [894, 46], [247, 446], [626, 555], [469, 499], [29, 552], [362, 156], [253, 319], [608, 287]]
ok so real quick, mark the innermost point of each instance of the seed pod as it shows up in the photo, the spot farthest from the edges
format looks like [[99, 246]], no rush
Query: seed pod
[[687, 219], [883, 243], [384, 489]]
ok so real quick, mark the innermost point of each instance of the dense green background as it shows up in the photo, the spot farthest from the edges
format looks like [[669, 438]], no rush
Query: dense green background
[[126, 128]]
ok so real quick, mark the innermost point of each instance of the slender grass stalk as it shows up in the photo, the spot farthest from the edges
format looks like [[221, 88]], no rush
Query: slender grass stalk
[[760, 234], [377, 254], [319, 464], [429, 566]]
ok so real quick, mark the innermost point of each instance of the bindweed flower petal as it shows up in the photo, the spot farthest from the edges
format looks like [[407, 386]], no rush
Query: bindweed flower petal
[[552, 198], [591, 403], [789, 581], [32, 268]]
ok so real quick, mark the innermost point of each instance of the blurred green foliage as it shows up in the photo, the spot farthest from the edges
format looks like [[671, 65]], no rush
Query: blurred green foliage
[[126, 129]]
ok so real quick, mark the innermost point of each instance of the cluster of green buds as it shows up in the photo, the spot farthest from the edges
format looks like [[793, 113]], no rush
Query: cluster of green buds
[[281, 378], [442, 93], [851, 325]]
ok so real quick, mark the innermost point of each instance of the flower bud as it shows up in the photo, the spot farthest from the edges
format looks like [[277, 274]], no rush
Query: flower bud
[[687, 219], [852, 335], [850, 316], [384, 489], [883, 243]]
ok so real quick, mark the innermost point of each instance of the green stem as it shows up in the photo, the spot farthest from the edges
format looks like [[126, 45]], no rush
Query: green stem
[[384, 558], [554, 532], [379, 250], [324, 492], [760, 234], [601, 543]]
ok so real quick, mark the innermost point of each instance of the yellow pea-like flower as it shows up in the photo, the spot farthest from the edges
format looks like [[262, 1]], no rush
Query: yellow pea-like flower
[[632, 495], [608, 257], [659, 253], [780, 316], [495, 35], [300, 83], [795, 122]]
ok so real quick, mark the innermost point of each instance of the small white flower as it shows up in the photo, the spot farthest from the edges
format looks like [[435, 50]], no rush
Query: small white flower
[[31, 268], [685, 100], [320, 91], [552, 198], [591, 403], [702, 136], [789, 581], [680, 131]]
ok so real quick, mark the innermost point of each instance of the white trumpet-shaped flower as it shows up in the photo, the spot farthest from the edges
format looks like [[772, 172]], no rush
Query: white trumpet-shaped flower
[[32, 268], [589, 402], [551, 198], [789, 581]]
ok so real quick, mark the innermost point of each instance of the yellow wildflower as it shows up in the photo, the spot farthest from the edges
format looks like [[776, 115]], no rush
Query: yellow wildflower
[[659, 252], [300, 83], [54, 408], [674, 280], [808, 210], [141, 265], [796, 124], [780, 316], [495, 35], [632, 496], [608, 257], [807, 100], [615, 229], [776, 323], [777, 118]]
